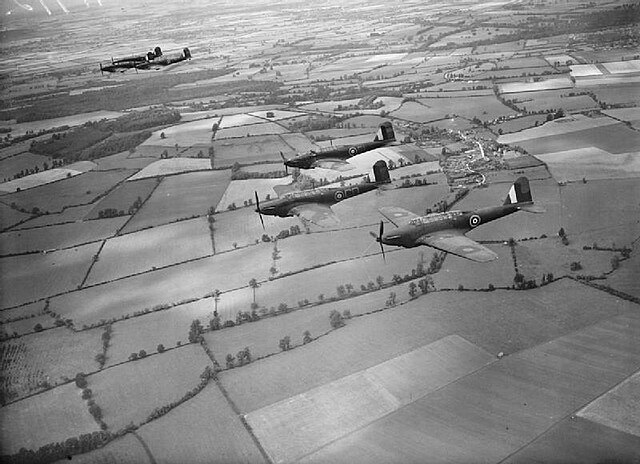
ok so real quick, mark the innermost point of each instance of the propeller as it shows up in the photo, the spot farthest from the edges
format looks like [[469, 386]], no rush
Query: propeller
[[258, 209], [286, 168], [379, 239]]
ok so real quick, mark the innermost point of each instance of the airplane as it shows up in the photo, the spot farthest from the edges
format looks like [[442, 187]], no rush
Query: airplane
[[156, 57], [446, 231], [334, 158], [315, 205]]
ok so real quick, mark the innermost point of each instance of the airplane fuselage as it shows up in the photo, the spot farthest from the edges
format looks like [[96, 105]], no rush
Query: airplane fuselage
[[407, 235], [308, 160], [329, 196]]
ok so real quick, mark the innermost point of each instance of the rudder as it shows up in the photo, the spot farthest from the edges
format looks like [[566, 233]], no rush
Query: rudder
[[520, 192], [385, 132], [381, 172]]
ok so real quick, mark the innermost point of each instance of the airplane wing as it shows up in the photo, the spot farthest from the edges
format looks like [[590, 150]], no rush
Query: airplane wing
[[455, 242], [334, 164], [397, 216], [319, 214]]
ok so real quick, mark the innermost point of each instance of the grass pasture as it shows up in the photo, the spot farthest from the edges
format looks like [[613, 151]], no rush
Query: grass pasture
[[417, 112], [240, 191], [77, 190], [203, 429], [485, 108], [488, 415], [51, 416], [124, 196], [52, 355], [263, 128], [167, 167], [125, 160], [298, 143], [589, 162], [152, 248], [9, 217], [180, 197], [130, 392], [70, 214], [55, 272], [37, 180], [249, 150], [625, 278], [126, 449], [59, 236], [615, 94], [547, 84], [518, 124], [300, 425], [170, 285], [26, 311], [550, 100], [185, 134], [235, 120], [17, 163], [26, 326], [459, 271]]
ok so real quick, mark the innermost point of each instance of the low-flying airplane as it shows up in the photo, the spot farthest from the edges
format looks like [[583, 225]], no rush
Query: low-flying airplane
[[156, 57], [315, 205], [446, 231], [335, 158]]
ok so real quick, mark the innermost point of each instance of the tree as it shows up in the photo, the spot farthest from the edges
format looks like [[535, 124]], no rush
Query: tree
[[253, 283], [342, 291], [86, 393], [100, 359], [615, 262], [133, 356], [412, 290], [95, 411], [285, 343], [346, 314], [306, 337], [195, 331], [162, 136], [215, 323], [561, 232], [230, 359], [160, 348], [142, 354], [380, 281], [336, 319], [81, 381]]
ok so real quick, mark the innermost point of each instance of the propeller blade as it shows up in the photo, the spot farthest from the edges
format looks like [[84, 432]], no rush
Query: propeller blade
[[286, 168], [258, 209], [380, 240]]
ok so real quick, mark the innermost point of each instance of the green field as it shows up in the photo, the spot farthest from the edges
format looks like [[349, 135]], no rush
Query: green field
[[171, 166], [10, 217], [485, 108], [204, 429], [239, 191], [71, 214], [130, 392], [152, 248], [126, 449], [17, 163], [252, 130], [55, 272], [123, 197], [180, 197], [249, 150], [59, 236]]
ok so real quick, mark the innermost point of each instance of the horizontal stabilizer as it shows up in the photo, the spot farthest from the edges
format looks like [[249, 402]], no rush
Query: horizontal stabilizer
[[533, 209]]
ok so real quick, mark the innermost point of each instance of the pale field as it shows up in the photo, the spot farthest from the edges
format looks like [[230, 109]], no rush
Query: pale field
[[623, 67], [55, 273], [340, 133], [75, 120], [162, 327], [618, 408], [566, 125], [489, 415], [123, 450], [77, 190], [297, 426], [548, 84], [33, 309], [234, 120], [14, 149], [369, 121], [243, 227], [363, 137], [10, 217], [415, 112], [584, 70], [484, 108], [329, 106], [590, 163], [124, 196], [152, 248], [179, 197], [616, 94], [70, 214], [563, 59], [624, 114], [35, 180], [541, 101], [52, 355], [52, 416], [250, 149], [518, 124], [125, 160], [59, 236], [169, 285], [298, 143], [171, 166], [460, 271], [131, 391], [240, 191], [277, 115], [26, 326], [185, 134], [14, 164], [507, 321], [625, 278], [263, 128], [202, 430], [453, 124]]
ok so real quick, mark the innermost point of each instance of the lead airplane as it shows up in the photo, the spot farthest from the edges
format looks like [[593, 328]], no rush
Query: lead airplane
[[335, 158], [446, 231], [154, 58], [315, 205]]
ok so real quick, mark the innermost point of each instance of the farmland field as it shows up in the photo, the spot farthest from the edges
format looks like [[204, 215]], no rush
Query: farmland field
[[185, 134], [25, 326], [152, 248], [17, 163], [55, 273], [179, 197], [416, 112], [484, 108], [51, 355], [26, 311], [202, 430], [615, 94], [298, 143], [234, 120], [171, 166], [78, 190], [301, 424], [264, 128], [58, 236], [551, 100], [52, 416], [10, 217], [590, 163], [562, 126], [131, 391], [249, 150], [625, 278], [75, 120], [36, 180], [518, 124], [124, 450], [240, 191], [495, 321], [491, 413], [124, 196], [548, 84], [125, 161], [169, 285], [70, 214], [459, 271]]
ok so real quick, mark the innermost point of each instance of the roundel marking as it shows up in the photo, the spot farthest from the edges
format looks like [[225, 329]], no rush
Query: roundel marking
[[353, 150], [339, 195], [474, 220]]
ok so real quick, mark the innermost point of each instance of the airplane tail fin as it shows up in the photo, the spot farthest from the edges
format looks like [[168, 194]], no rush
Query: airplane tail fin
[[385, 132], [187, 53], [520, 194], [381, 172]]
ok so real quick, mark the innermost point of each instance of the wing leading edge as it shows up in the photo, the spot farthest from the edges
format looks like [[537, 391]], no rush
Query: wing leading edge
[[397, 216], [455, 242], [319, 214]]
